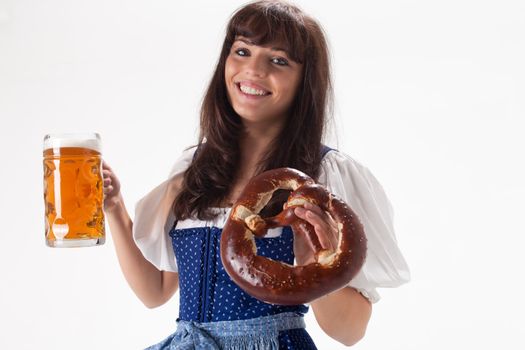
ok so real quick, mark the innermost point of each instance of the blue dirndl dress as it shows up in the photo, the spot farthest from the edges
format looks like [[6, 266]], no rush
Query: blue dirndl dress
[[208, 296], [215, 313]]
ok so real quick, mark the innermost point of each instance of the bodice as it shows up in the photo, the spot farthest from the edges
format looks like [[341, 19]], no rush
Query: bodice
[[207, 293]]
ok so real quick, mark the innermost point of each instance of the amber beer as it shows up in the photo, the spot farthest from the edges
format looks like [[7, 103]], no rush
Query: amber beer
[[73, 190]]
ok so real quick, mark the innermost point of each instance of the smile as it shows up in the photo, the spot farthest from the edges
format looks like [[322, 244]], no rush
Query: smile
[[252, 90]]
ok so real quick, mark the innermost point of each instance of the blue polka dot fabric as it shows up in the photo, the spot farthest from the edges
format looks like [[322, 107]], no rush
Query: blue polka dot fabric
[[295, 339], [207, 294]]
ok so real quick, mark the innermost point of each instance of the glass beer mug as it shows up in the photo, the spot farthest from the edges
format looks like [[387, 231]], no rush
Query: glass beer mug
[[73, 190]]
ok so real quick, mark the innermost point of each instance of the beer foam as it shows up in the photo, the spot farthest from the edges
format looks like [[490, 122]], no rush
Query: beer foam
[[84, 140]]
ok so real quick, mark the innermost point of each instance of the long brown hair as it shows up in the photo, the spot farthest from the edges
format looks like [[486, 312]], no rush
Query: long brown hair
[[209, 178]]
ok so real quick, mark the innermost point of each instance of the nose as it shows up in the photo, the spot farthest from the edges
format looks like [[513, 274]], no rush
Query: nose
[[256, 66]]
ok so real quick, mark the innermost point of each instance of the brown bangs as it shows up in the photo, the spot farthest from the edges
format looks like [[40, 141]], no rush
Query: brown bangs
[[270, 23]]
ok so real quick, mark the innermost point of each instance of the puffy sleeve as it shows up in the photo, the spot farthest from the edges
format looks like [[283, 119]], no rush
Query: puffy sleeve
[[385, 265], [154, 218]]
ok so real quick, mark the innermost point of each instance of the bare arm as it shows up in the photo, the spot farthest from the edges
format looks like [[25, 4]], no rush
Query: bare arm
[[343, 315], [152, 287]]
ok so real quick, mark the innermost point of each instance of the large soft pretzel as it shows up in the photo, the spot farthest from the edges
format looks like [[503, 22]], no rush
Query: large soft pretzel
[[277, 282]]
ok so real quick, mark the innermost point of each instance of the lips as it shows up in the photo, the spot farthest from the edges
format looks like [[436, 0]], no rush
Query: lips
[[252, 89]]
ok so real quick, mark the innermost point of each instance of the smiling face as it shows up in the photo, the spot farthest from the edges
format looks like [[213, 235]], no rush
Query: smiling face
[[261, 82]]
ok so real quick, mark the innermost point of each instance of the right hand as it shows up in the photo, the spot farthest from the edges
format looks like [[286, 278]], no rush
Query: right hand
[[325, 228], [111, 188]]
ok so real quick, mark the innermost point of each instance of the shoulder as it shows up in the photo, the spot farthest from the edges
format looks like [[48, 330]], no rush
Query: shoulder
[[339, 164], [183, 161], [348, 178]]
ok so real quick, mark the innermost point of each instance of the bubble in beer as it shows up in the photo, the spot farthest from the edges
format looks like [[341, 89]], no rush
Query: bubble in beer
[[60, 228]]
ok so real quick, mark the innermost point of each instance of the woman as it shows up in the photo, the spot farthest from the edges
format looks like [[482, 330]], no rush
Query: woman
[[265, 107]]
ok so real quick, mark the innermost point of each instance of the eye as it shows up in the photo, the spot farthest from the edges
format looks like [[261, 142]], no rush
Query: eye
[[242, 52], [280, 61]]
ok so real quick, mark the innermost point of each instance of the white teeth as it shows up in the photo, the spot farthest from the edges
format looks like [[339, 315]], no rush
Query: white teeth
[[251, 91]]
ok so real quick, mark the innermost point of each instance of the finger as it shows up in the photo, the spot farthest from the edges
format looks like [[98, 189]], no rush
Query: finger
[[105, 165], [314, 208], [308, 215], [107, 182], [322, 228], [319, 211], [300, 212], [315, 219], [324, 237], [108, 189], [106, 173], [106, 176], [332, 228]]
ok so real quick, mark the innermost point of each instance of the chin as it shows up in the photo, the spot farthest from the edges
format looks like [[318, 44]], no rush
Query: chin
[[251, 116]]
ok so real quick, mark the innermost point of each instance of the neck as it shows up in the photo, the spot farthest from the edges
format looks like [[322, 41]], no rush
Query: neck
[[254, 144], [255, 140]]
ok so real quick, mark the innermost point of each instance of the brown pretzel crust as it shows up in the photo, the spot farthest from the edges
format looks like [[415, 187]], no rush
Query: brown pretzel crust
[[277, 282]]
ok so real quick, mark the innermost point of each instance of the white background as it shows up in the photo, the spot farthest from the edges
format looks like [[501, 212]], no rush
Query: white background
[[429, 95]]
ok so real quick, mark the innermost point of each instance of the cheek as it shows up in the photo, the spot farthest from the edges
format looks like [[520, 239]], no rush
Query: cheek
[[290, 88], [227, 70], [231, 66]]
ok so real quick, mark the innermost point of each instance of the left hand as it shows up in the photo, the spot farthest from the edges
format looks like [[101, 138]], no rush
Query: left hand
[[325, 228]]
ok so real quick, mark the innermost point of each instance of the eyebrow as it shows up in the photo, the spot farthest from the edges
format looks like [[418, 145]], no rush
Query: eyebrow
[[249, 42]]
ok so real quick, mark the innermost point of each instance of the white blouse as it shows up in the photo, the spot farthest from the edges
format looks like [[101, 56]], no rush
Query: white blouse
[[340, 174]]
